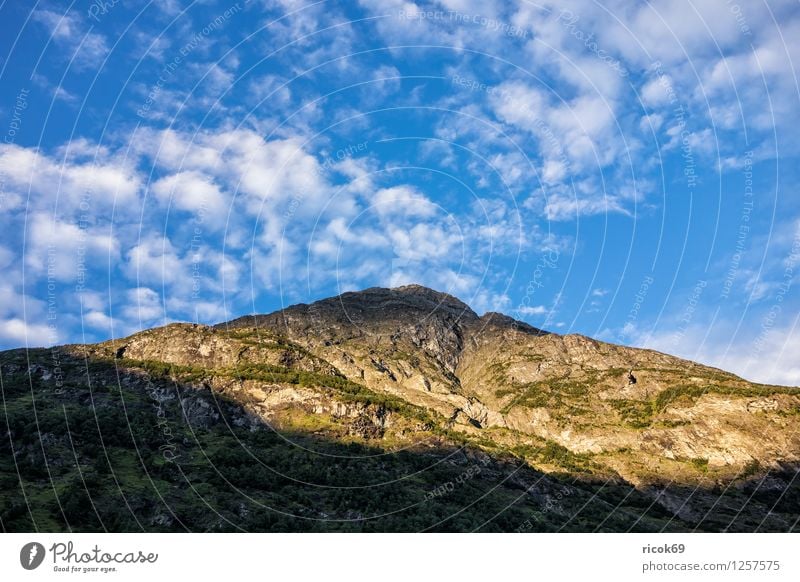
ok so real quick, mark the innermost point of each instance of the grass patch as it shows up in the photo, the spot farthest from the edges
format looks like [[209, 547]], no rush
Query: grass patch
[[641, 413], [751, 468], [552, 453], [634, 413], [551, 394]]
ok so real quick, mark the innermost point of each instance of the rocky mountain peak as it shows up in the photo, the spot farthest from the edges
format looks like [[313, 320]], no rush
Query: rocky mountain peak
[[416, 297], [370, 311]]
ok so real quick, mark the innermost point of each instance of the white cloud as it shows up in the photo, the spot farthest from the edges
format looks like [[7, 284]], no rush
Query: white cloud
[[404, 201], [564, 203], [266, 171], [154, 261], [519, 104], [574, 135], [64, 250], [27, 320], [143, 306], [195, 193], [98, 320], [533, 310], [84, 49], [554, 171], [75, 186], [424, 242], [6, 257], [93, 300], [655, 92], [484, 300], [386, 80], [271, 89], [16, 331], [61, 94]]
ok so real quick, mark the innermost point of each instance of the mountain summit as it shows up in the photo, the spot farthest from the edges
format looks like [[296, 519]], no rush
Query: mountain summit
[[670, 442], [376, 306], [412, 317]]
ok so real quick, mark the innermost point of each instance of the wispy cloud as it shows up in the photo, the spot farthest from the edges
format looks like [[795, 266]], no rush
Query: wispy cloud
[[82, 47]]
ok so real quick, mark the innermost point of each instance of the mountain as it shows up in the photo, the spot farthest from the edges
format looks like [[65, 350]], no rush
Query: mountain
[[389, 410]]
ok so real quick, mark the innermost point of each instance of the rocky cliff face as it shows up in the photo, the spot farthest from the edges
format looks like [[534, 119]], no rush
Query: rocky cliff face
[[591, 397], [402, 366]]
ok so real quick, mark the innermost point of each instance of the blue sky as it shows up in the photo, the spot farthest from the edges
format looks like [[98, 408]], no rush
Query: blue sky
[[624, 170]]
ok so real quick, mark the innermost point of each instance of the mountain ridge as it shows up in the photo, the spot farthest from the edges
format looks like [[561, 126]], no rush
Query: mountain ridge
[[488, 317]]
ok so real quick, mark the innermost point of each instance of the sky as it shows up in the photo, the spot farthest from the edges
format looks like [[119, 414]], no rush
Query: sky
[[622, 170]]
